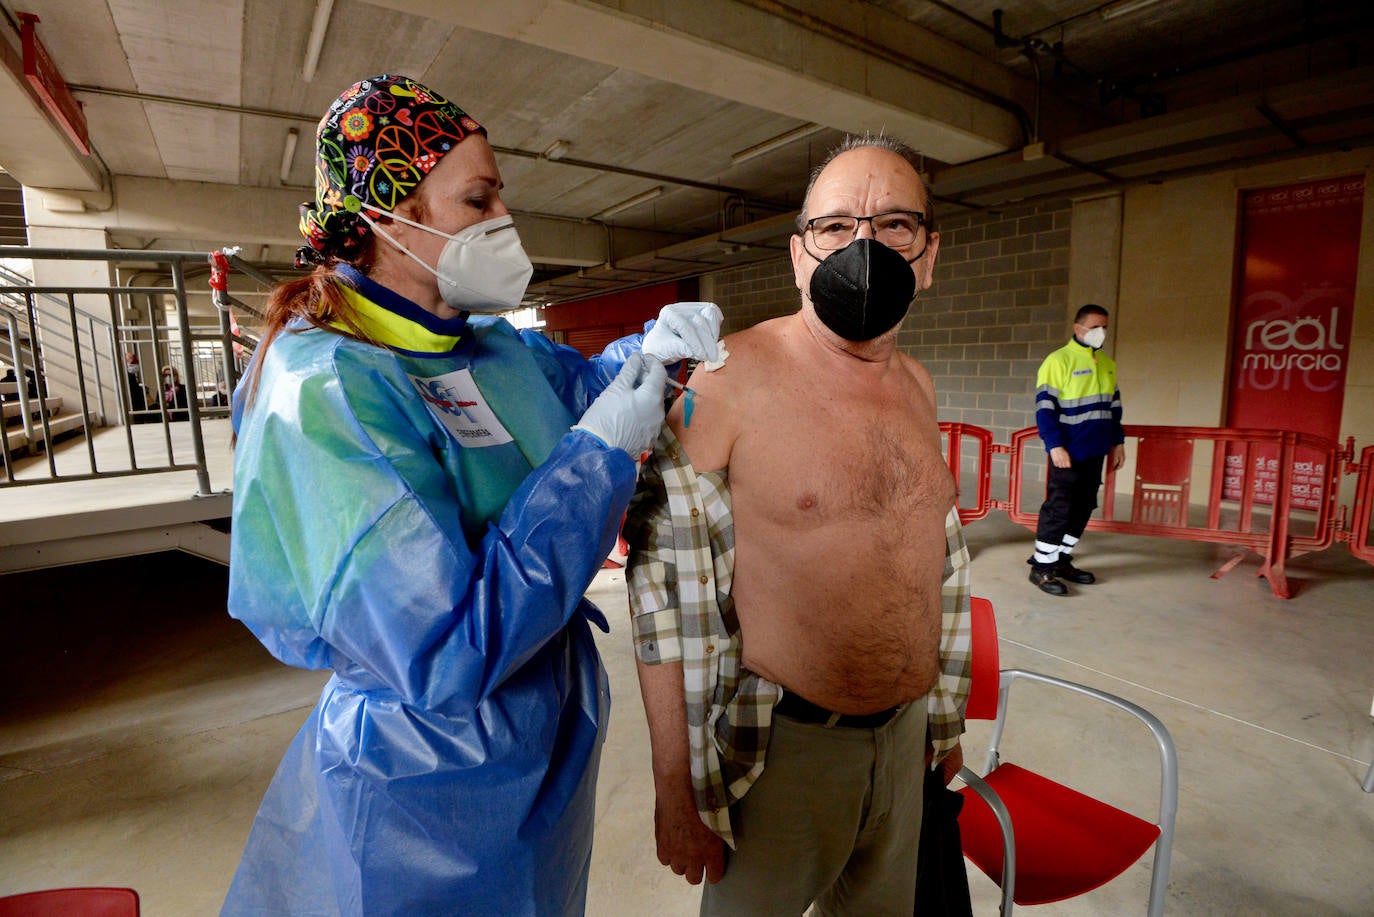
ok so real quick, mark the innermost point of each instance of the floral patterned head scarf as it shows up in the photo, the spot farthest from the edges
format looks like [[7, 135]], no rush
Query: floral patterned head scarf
[[373, 146]]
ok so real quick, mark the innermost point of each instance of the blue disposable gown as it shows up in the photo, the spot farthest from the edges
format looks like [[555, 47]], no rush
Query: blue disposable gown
[[450, 764]]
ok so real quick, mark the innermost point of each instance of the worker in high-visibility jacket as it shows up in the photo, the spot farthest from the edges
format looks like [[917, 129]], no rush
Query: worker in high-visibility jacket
[[1078, 412]]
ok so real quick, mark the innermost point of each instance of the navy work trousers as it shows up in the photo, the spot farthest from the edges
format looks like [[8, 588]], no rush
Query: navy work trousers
[[1070, 500]]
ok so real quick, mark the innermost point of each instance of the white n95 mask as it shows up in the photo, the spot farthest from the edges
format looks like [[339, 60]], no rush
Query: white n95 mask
[[1095, 338], [482, 268]]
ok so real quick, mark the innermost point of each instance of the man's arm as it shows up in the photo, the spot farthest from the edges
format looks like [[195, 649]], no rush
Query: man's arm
[[684, 842], [1048, 383], [946, 701]]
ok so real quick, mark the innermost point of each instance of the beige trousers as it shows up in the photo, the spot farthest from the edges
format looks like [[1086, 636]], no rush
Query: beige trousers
[[835, 819]]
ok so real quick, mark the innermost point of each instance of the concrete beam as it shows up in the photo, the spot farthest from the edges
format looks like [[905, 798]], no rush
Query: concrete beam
[[855, 76], [192, 537], [32, 148], [155, 207], [212, 215]]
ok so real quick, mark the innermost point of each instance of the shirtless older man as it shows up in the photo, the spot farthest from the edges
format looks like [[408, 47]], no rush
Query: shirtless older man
[[798, 577]]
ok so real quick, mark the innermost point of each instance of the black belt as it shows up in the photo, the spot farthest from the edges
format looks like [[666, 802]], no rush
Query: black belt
[[796, 707]]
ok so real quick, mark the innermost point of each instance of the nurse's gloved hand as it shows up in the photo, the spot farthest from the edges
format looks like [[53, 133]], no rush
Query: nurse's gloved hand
[[629, 413], [684, 330]]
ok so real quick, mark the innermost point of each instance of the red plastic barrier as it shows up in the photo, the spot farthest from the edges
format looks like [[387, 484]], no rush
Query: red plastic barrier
[[1253, 507], [1364, 504], [955, 435]]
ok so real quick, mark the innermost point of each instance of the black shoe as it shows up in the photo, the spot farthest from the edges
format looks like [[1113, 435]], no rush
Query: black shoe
[[1048, 583], [1066, 570]]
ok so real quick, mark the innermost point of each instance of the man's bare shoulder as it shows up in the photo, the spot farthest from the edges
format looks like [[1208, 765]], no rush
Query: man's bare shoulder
[[917, 373], [752, 350], [722, 398]]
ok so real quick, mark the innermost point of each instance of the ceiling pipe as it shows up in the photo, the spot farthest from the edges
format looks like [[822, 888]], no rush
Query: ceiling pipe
[[1167, 175], [194, 103], [1029, 44], [622, 170], [509, 151]]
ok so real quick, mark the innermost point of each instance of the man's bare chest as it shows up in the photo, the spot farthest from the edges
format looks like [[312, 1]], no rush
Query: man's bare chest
[[840, 460]]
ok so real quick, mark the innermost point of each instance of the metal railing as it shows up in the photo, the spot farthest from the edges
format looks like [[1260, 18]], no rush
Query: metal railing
[[1275, 493], [48, 333]]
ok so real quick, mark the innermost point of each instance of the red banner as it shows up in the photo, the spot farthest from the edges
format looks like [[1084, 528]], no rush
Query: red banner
[[1290, 348]]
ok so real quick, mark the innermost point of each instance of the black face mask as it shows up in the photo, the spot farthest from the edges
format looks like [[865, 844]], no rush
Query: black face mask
[[862, 290]]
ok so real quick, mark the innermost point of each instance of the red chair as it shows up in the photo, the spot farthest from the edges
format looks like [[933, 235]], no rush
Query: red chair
[[72, 902], [1055, 842]]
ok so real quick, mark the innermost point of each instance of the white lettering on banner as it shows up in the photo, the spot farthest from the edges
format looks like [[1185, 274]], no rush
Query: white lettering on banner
[[1281, 334], [1267, 339], [1305, 362], [1306, 481], [457, 403]]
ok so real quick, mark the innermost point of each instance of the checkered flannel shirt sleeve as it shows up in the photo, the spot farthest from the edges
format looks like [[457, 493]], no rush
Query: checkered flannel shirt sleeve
[[946, 701], [681, 534], [667, 549], [656, 615]]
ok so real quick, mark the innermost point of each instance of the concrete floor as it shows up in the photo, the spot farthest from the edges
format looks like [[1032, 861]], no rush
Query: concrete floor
[[142, 726]]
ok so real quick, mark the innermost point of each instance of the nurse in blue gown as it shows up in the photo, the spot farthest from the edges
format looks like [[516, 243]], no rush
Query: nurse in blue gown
[[421, 496]]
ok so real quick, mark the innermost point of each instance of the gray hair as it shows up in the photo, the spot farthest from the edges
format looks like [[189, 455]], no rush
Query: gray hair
[[878, 141]]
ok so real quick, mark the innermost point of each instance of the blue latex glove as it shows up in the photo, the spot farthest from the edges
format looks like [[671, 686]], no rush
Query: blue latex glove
[[684, 330], [629, 413]]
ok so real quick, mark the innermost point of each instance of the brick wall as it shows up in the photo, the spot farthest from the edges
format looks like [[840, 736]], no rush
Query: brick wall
[[997, 307], [753, 294]]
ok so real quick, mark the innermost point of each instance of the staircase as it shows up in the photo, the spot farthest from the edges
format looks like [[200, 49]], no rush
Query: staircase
[[30, 423], [27, 438]]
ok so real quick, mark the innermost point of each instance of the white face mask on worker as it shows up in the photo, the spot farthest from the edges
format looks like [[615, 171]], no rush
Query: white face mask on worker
[[1095, 338], [482, 268]]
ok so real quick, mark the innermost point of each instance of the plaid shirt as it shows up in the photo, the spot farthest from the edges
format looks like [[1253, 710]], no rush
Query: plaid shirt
[[682, 540]]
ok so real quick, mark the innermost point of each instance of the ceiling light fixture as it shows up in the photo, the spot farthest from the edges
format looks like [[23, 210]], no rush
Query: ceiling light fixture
[[1124, 8], [288, 153], [628, 203], [315, 42], [557, 150], [774, 143]]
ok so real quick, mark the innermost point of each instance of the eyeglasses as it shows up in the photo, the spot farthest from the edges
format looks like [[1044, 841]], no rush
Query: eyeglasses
[[895, 229]]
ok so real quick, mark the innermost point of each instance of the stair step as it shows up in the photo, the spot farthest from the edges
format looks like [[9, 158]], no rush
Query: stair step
[[60, 426], [15, 409]]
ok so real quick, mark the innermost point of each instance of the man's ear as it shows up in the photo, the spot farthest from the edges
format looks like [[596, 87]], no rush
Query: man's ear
[[932, 246], [798, 249]]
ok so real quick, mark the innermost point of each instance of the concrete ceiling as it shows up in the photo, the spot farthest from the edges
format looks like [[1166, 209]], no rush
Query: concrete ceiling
[[190, 105]]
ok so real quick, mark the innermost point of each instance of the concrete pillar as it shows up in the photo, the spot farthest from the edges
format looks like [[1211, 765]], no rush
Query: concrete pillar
[[1095, 253]]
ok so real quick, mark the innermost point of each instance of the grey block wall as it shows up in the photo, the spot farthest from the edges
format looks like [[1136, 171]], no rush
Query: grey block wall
[[998, 305], [752, 294]]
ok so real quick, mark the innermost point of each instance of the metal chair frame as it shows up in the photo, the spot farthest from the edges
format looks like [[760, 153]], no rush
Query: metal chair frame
[[1168, 800]]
